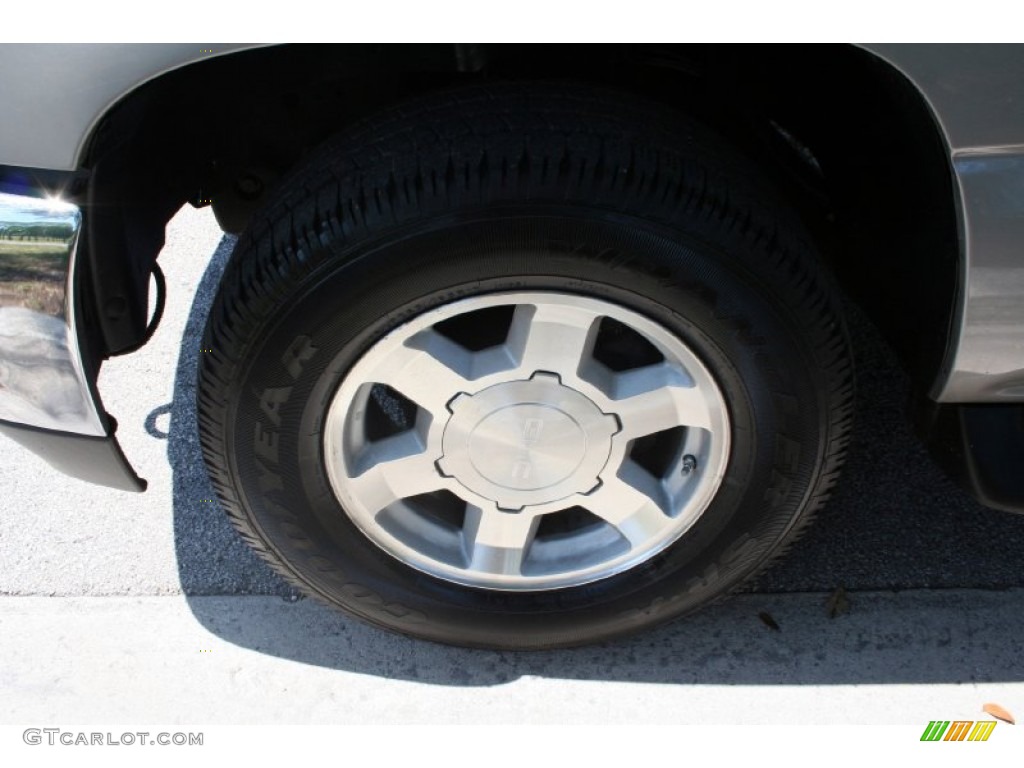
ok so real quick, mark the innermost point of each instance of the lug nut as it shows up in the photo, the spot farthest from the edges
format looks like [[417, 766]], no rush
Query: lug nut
[[689, 464]]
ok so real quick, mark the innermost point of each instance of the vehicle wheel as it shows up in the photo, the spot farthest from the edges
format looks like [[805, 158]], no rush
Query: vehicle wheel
[[524, 367]]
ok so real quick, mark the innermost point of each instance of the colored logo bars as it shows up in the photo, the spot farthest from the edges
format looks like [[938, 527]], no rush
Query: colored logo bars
[[958, 730]]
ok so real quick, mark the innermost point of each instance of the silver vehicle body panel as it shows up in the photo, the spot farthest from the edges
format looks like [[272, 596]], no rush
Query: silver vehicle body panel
[[987, 363], [976, 93], [54, 95]]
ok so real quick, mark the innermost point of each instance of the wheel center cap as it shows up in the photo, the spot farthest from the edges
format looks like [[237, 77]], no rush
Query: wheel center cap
[[527, 446], [526, 442]]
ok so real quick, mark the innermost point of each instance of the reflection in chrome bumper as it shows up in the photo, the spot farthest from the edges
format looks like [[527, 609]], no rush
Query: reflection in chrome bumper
[[42, 380]]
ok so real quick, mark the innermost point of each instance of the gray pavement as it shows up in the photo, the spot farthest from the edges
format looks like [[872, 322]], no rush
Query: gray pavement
[[895, 523], [894, 659]]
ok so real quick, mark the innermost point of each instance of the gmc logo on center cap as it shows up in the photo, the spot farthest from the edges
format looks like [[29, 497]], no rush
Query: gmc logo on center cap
[[522, 469], [531, 430]]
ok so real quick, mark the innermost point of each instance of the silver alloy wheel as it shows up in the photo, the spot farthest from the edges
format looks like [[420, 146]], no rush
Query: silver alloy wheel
[[579, 443]]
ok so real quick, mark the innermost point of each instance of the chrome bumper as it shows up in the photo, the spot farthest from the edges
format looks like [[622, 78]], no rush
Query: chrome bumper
[[47, 397], [42, 380]]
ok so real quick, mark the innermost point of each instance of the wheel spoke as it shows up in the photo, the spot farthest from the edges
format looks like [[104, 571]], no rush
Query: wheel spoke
[[395, 468], [666, 406], [530, 423], [552, 337], [427, 372], [636, 515], [496, 542]]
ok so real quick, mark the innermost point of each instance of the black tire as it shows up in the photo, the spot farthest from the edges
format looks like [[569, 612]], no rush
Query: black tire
[[512, 188]]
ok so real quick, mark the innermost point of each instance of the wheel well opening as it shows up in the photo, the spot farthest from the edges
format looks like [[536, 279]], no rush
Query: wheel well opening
[[843, 134]]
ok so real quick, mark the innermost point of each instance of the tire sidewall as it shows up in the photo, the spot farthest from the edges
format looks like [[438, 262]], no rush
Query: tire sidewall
[[695, 286]]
